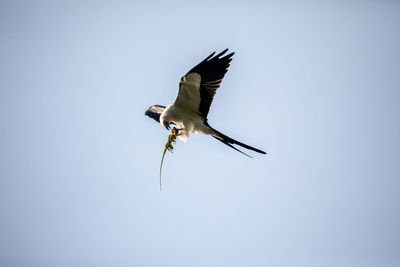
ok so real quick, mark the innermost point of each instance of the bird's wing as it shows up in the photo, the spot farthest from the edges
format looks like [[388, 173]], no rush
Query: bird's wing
[[198, 87], [154, 112]]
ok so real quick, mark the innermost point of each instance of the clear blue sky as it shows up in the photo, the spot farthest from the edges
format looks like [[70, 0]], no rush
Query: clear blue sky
[[315, 85]]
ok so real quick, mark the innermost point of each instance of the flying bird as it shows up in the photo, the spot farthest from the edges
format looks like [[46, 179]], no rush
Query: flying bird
[[196, 92]]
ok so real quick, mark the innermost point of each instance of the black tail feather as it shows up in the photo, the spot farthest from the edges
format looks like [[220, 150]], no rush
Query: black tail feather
[[230, 142], [226, 143]]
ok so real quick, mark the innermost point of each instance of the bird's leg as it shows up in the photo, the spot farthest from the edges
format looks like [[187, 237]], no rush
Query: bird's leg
[[176, 131]]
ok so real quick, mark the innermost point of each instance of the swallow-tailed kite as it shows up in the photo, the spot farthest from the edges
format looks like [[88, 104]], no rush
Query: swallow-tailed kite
[[196, 92]]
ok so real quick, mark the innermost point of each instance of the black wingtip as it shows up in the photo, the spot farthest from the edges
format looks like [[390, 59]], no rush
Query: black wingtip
[[230, 55], [207, 58], [220, 54]]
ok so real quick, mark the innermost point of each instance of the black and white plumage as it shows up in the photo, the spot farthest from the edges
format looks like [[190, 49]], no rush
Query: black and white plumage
[[196, 93]]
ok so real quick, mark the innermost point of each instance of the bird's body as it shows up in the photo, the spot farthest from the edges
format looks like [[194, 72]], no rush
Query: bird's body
[[187, 121], [196, 92]]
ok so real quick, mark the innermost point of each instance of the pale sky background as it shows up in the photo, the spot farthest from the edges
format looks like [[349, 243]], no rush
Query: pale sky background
[[317, 86]]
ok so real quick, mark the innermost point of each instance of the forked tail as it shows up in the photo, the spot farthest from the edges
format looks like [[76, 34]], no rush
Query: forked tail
[[230, 142]]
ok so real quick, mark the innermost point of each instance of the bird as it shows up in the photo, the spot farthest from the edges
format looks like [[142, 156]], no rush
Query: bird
[[197, 89]]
